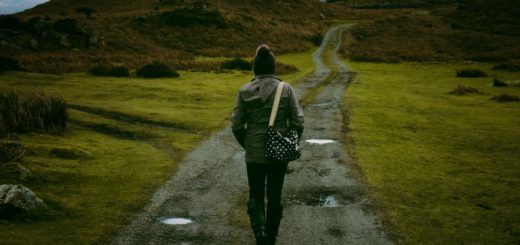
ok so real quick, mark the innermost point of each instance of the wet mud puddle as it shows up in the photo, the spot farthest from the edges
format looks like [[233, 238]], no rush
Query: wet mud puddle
[[320, 141], [316, 199], [175, 221]]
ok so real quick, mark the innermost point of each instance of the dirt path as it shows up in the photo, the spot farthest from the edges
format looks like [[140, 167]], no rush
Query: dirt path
[[323, 202]]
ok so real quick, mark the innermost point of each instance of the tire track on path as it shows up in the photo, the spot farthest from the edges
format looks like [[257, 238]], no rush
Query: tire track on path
[[210, 186]]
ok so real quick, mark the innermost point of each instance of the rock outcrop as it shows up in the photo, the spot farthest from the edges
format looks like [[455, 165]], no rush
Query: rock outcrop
[[19, 197]]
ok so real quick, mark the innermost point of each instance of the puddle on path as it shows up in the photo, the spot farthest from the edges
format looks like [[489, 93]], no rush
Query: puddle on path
[[176, 221], [320, 141], [326, 197], [319, 199]]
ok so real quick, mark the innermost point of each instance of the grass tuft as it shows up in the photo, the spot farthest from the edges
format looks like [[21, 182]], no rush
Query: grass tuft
[[11, 152], [462, 90], [35, 112], [506, 98], [499, 83], [470, 73], [237, 64], [156, 70], [101, 71]]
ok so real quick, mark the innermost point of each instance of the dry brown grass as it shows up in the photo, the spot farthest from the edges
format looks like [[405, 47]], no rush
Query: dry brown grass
[[133, 33], [422, 35], [35, 112], [137, 32]]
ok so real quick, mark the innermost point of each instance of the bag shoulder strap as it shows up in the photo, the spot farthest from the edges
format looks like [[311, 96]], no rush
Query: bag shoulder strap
[[276, 103]]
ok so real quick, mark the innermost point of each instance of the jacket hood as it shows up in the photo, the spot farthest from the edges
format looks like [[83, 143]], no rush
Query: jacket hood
[[258, 91]]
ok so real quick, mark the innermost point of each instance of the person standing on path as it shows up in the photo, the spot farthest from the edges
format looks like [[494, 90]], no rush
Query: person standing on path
[[250, 120]]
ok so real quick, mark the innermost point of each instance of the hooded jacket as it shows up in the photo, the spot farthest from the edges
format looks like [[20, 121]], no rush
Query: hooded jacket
[[252, 110]]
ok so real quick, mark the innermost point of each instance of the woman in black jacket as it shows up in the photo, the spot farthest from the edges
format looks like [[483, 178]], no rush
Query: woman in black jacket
[[250, 121]]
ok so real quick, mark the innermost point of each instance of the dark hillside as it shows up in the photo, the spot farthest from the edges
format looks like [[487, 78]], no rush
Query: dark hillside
[[67, 35], [498, 16], [480, 30]]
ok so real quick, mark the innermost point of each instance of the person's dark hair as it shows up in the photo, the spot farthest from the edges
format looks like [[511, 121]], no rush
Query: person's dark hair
[[264, 62]]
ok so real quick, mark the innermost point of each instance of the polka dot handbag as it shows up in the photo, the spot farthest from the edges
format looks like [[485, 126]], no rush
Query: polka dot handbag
[[283, 148]]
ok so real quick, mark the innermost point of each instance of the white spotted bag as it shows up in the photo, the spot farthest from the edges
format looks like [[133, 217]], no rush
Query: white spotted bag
[[282, 148]]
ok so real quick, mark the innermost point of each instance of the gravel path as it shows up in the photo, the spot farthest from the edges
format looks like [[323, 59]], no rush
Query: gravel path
[[323, 201]]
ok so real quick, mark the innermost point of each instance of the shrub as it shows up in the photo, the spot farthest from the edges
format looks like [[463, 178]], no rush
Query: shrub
[[505, 98], [237, 64], [192, 15], [470, 73], [11, 22], [316, 39], [35, 112], [66, 26], [462, 90], [155, 70], [9, 64], [85, 10], [110, 72]]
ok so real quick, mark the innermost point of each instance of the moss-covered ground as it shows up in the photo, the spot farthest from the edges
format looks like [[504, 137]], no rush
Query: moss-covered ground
[[124, 139], [444, 168]]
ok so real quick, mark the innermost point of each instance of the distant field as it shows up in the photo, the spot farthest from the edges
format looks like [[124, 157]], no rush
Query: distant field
[[444, 168], [125, 138]]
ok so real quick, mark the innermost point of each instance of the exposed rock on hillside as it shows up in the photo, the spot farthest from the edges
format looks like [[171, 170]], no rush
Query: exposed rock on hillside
[[16, 198]]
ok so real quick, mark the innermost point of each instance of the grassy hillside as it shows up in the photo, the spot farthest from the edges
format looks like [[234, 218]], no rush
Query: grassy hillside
[[66, 35], [442, 166]]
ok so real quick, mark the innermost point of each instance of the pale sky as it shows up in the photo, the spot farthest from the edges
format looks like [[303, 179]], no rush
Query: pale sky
[[14, 6]]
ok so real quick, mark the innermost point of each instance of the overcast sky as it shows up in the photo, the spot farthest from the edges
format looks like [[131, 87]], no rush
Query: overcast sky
[[13, 6]]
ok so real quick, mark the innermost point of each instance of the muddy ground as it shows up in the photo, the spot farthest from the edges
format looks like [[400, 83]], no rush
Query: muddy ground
[[324, 203]]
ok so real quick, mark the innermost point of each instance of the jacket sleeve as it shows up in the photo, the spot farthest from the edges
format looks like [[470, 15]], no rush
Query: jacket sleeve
[[238, 119], [296, 118]]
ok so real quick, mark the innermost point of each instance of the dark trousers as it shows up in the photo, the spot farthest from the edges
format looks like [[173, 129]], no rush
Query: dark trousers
[[257, 174], [266, 179]]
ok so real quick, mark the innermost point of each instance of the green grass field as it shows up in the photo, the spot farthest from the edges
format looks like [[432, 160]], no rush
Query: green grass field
[[124, 138], [443, 168]]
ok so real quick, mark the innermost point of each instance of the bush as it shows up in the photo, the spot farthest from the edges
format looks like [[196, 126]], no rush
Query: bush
[[66, 26], [470, 73], [35, 112], [505, 98], [9, 64], [237, 64], [316, 39], [85, 10], [156, 70], [462, 90], [11, 22], [110, 72], [193, 15]]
